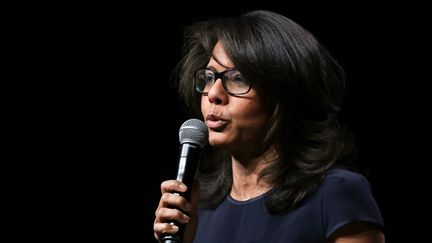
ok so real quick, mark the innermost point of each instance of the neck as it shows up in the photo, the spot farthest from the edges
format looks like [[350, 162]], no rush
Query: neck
[[247, 191], [246, 181]]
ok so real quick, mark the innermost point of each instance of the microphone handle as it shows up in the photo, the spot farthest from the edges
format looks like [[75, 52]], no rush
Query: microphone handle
[[188, 162], [170, 239], [177, 237]]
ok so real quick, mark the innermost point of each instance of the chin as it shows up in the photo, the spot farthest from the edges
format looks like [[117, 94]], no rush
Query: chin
[[218, 141]]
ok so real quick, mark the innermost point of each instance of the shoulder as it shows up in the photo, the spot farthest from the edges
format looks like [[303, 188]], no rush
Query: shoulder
[[346, 197], [347, 189], [338, 173], [340, 180]]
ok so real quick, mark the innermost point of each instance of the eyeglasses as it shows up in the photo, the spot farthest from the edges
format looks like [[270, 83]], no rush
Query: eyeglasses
[[232, 81]]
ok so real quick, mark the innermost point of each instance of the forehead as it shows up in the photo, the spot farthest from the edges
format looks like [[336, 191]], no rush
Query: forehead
[[219, 58]]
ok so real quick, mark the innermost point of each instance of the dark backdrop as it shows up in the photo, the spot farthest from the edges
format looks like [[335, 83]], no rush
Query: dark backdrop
[[91, 119]]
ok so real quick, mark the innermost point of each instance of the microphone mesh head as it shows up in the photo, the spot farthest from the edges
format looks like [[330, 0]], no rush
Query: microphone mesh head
[[193, 131]]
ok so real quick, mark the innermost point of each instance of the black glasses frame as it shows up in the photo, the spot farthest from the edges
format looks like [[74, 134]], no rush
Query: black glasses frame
[[220, 76]]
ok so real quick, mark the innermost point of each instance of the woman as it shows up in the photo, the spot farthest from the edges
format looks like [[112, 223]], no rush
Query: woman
[[273, 169]]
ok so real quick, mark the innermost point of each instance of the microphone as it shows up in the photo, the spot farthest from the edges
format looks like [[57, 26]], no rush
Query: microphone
[[193, 135]]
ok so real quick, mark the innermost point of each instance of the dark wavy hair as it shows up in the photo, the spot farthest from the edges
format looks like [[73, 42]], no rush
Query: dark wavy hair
[[302, 84]]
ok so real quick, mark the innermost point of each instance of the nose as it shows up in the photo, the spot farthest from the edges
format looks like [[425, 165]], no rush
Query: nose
[[217, 93]]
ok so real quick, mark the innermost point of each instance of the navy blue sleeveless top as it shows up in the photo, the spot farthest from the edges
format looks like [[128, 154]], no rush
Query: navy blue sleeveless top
[[344, 197]]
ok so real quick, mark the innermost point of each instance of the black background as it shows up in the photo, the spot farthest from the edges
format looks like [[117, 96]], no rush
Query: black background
[[91, 120]]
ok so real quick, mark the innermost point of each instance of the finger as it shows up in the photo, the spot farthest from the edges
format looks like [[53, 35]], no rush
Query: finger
[[164, 228], [174, 200], [171, 214], [173, 186]]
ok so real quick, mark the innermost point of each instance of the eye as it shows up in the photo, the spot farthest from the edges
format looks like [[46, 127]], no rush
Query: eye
[[209, 77], [235, 77]]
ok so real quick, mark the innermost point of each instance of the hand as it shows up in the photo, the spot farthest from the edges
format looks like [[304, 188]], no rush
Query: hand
[[172, 207]]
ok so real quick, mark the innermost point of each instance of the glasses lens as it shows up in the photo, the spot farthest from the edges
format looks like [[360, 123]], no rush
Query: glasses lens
[[235, 83], [204, 79]]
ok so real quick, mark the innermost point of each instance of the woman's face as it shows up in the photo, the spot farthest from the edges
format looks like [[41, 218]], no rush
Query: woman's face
[[236, 123]]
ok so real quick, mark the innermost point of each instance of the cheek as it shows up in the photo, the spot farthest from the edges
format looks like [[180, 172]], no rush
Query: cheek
[[250, 110], [250, 119], [203, 105]]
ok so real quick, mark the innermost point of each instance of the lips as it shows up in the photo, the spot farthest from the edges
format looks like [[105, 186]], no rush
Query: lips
[[215, 122]]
